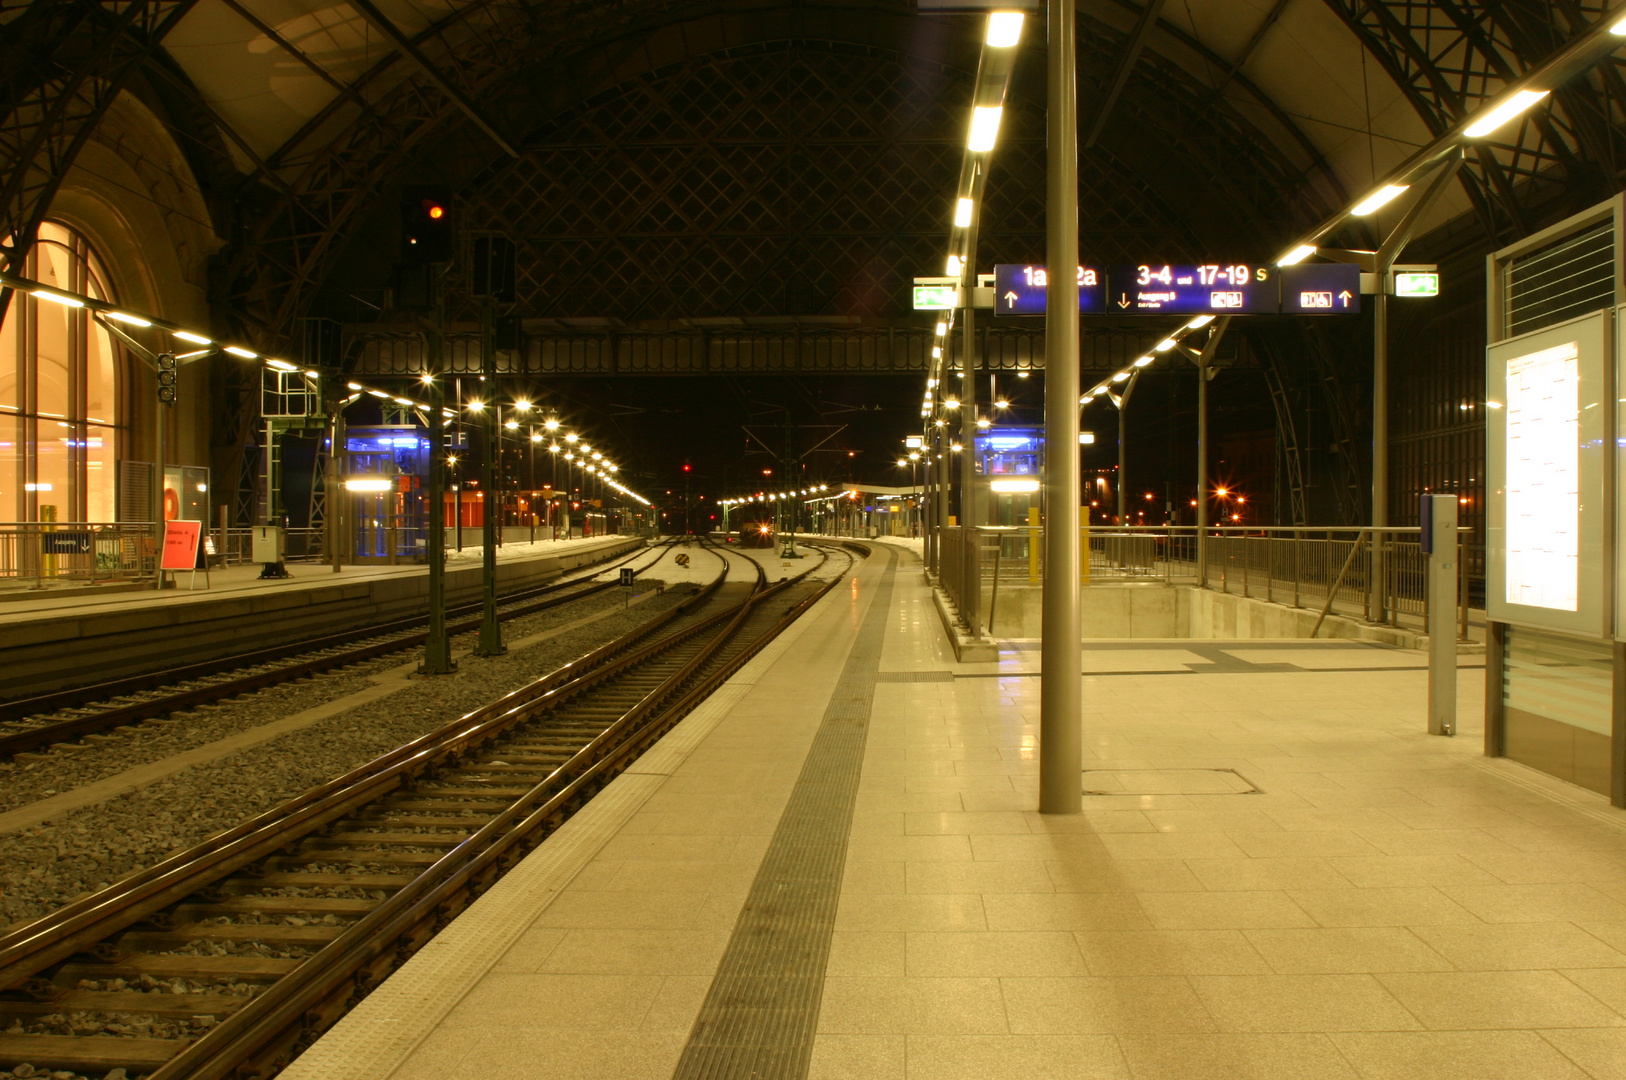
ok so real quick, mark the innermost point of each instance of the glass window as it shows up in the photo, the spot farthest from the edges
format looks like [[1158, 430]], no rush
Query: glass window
[[61, 389]]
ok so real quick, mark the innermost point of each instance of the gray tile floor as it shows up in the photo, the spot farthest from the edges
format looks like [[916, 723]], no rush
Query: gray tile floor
[[1387, 907]]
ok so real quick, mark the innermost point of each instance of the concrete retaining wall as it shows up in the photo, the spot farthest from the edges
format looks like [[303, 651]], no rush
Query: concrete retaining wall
[[1180, 611]]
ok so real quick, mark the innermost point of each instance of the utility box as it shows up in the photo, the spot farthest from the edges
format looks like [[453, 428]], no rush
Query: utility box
[[267, 546]]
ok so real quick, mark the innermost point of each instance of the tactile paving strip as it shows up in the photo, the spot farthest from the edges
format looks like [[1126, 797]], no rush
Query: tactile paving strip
[[759, 1017]]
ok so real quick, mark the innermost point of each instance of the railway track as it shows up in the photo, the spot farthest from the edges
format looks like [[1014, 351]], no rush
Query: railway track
[[227, 959], [30, 724]]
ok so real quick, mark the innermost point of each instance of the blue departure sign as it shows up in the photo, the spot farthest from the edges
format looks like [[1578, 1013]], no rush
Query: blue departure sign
[[1019, 289], [1209, 289], [1321, 289]]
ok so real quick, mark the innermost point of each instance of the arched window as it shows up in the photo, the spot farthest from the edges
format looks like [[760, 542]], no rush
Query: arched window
[[61, 392]]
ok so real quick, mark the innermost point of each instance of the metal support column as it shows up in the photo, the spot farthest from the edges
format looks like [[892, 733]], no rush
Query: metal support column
[[970, 513], [1061, 731], [437, 647], [490, 643], [1383, 263], [1122, 402], [1205, 372]]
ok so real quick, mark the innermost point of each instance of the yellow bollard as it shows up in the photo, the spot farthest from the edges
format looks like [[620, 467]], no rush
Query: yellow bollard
[[1033, 544], [1084, 545]]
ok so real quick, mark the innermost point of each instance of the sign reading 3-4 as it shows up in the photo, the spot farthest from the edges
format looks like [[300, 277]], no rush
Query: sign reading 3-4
[[1206, 289]]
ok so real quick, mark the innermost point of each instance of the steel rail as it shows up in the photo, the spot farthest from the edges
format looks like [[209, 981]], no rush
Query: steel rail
[[299, 1006], [315, 994], [75, 926], [46, 734]]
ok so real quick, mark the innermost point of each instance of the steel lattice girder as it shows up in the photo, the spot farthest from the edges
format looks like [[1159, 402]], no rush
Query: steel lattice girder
[[63, 64], [1450, 59], [274, 274]]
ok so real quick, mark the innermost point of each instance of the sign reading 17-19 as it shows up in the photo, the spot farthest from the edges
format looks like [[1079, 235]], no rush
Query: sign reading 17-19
[[1206, 289], [1020, 289]]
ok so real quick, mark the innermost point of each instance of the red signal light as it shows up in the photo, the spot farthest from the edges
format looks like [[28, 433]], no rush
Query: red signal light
[[436, 212], [685, 466]]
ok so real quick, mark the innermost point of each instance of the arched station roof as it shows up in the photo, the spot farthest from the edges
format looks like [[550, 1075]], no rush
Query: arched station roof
[[1237, 122]]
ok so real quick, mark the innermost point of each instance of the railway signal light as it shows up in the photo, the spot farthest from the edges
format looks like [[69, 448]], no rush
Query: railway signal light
[[426, 225], [166, 378]]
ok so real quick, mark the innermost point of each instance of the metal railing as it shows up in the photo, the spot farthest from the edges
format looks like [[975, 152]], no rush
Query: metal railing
[[236, 546], [38, 554], [1377, 575]]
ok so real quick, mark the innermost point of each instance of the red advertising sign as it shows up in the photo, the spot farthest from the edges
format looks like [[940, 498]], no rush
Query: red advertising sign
[[181, 545]]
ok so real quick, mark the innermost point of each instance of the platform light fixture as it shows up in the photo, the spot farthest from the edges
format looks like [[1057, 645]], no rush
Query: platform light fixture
[[126, 318], [187, 335], [238, 350], [984, 128], [280, 365], [1504, 111], [962, 213], [1004, 29], [370, 483], [57, 298], [1297, 255], [1199, 322], [1379, 198], [953, 266], [1143, 361]]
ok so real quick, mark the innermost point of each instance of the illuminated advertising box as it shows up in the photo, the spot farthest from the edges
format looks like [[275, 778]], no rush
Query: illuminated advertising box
[[1545, 499]]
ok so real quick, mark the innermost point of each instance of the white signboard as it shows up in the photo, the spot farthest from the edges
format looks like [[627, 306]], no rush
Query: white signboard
[[1545, 428], [1544, 477]]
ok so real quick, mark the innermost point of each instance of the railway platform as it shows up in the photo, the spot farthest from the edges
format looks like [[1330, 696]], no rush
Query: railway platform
[[53, 641], [833, 869]]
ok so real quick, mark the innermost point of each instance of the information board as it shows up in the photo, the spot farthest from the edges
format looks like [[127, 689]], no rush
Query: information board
[[1321, 289], [180, 545], [1020, 289], [1545, 504], [1208, 289], [1543, 484]]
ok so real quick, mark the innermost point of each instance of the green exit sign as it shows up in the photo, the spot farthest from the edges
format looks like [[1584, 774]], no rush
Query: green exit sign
[[935, 297], [1417, 283]]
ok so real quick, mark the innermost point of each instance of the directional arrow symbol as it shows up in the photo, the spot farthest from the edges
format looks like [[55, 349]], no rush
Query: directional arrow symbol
[[1344, 297], [1010, 299], [1123, 300]]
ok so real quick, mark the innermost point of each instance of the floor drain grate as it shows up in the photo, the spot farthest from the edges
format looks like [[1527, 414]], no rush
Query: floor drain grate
[[1168, 782]]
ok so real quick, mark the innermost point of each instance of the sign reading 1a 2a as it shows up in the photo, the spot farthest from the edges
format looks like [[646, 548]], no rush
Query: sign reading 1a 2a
[[1020, 289]]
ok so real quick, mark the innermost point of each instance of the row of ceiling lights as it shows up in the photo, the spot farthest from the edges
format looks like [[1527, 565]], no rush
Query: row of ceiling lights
[[773, 496], [1004, 31], [593, 460]]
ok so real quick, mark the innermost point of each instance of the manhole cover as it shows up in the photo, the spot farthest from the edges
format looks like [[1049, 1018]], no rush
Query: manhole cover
[[1167, 782]]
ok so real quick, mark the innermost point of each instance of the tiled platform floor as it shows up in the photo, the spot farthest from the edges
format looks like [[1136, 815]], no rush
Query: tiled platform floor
[[1389, 906]]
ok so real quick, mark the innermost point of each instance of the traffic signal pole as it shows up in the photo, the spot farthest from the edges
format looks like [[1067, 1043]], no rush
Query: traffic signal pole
[[490, 629], [437, 648]]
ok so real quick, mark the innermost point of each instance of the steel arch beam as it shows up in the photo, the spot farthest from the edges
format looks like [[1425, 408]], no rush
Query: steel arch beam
[[1450, 58], [64, 63], [272, 275]]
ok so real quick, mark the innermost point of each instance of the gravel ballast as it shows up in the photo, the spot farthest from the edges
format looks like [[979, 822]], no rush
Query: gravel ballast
[[43, 867]]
